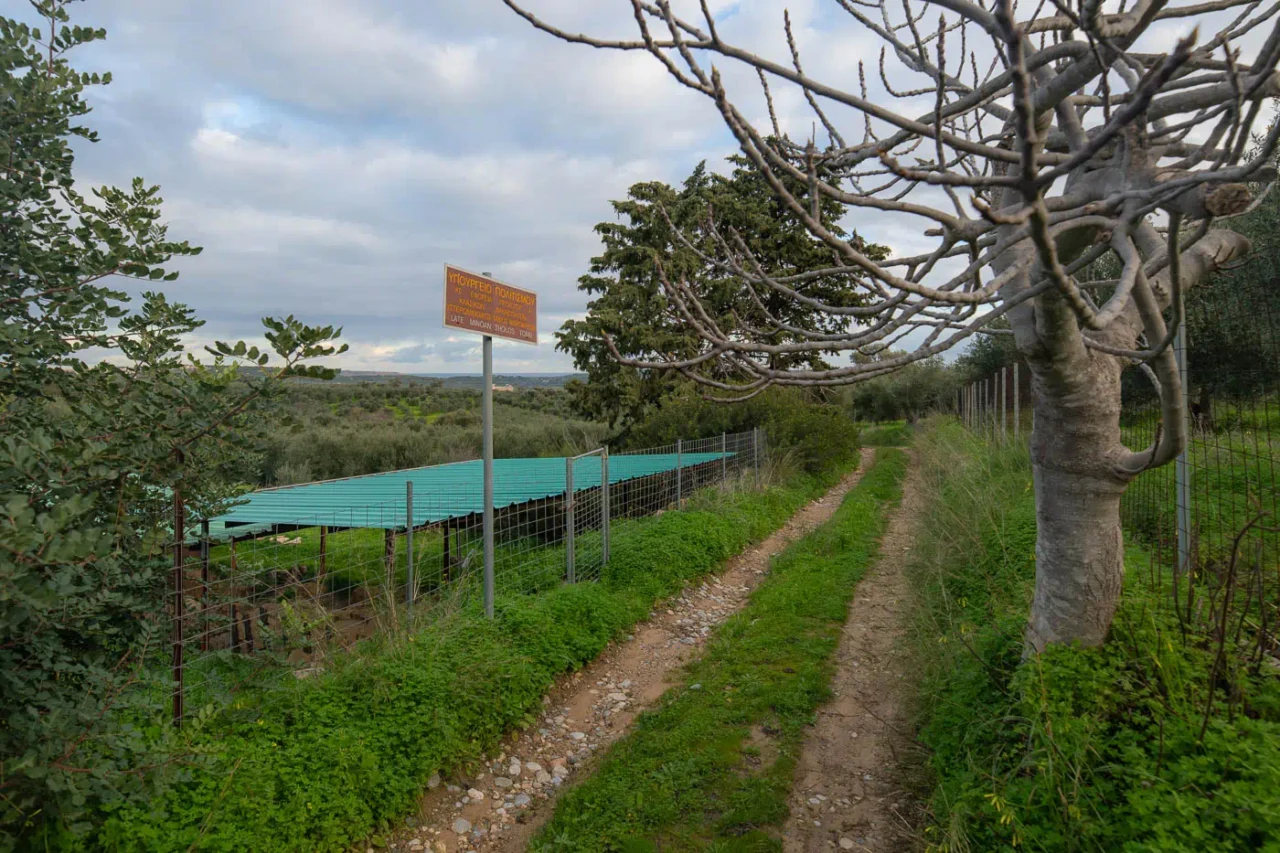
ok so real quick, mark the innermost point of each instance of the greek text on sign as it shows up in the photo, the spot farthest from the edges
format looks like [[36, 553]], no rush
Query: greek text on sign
[[477, 303]]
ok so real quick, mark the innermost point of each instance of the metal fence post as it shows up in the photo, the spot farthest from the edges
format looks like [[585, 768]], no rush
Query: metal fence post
[[1017, 415], [604, 504], [408, 541], [179, 538], [1181, 470], [570, 569], [755, 454], [724, 462], [679, 473], [486, 415], [1004, 404]]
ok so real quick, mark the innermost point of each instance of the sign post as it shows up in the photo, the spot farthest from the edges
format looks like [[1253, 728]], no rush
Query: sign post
[[479, 304]]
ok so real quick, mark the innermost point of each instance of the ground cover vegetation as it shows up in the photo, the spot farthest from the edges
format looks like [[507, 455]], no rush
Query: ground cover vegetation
[[711, 766], [321, 763], [1165, 738]]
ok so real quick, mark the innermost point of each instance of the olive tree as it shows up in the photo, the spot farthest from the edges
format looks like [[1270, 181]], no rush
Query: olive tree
[[1026, 144]]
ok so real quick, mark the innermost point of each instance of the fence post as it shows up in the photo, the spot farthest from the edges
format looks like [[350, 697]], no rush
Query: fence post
[[1017, 415], [755, 453], [604, 503], [1181, 472], [204, 585], [679, 473], [1004, 403], [724, 463], [570, 570], [408, 542], [179, 538]]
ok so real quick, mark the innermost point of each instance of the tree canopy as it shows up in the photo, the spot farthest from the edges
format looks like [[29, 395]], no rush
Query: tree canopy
[[104, 417], [665, 232]]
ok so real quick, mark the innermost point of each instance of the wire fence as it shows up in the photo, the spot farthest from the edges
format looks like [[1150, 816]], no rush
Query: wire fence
[[257, 602], [1211, 520]]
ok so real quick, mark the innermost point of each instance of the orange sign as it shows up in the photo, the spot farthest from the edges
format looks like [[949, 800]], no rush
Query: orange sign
[[477, 303]]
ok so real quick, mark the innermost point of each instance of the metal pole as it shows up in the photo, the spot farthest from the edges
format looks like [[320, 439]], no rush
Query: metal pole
[[408, 541], [179, 538], [604, 501], [486, 416], [1181, 471], [1017, 414], [204, 585], [1004, 404], [755, 454], [570, 569], [679, 473], [724, 462]]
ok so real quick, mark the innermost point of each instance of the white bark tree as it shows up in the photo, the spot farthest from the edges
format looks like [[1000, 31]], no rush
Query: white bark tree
[[1044, 143]]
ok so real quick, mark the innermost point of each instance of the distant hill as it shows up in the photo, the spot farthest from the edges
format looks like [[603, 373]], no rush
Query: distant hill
[[446, 380], [462, 380]]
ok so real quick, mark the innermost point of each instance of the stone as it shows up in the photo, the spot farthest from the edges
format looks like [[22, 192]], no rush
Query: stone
[[415, 844], [542, 777], [522, 800], [434, 781], [617, 697], [475, 794], [846, 844], [577, 736], [501, 781], [532, 766], [462, 826], [513, 770]]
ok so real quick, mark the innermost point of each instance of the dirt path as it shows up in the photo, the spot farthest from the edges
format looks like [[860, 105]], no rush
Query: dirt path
[[849, 792], [499, 809]]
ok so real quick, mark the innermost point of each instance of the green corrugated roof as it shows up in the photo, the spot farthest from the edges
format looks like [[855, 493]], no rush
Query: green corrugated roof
[[439, 491]]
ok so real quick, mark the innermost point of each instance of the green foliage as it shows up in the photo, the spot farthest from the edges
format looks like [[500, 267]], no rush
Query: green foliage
[[667, 233], [819, 435], [90, 449], [321, 763], [1127, 747], [892, 434], [986, 354], [687, 777], [908, 393]]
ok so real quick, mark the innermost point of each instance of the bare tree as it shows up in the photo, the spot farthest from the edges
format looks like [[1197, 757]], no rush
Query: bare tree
[[1037, 146]]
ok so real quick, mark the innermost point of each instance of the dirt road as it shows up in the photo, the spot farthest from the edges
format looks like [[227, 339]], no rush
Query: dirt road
[[500, 808], [849, 792]]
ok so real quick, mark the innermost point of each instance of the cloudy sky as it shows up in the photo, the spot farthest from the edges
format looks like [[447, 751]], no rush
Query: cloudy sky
[[332, 155]]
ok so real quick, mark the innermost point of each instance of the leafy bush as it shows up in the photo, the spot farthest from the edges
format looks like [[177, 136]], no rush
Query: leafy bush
[[318, 764], [1127, 747], [820, 434]]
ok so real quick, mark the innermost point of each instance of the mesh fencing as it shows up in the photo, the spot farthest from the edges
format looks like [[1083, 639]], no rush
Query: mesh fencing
[[1211, 520], [260, 602]]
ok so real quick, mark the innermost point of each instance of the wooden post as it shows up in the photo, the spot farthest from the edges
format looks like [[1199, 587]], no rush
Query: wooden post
[[324, 552], [204, 585]]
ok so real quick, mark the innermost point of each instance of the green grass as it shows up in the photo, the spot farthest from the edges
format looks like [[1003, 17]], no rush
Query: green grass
[[887, 434], [1128, 747], [319, 764], [689, 776]]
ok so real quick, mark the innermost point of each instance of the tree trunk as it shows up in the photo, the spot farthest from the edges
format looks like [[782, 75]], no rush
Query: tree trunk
[[1079, 546], [1079, 558]]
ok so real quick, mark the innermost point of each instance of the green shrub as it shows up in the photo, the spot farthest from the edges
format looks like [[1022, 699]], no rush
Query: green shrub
[[319, 764], [819, 434], [1077, 749]]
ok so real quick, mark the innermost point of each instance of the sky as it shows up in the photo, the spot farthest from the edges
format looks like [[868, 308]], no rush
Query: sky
[[332, 155]]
